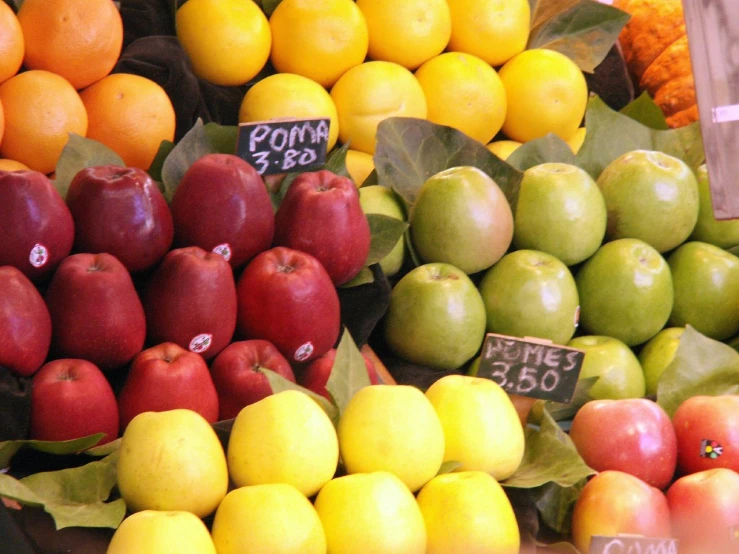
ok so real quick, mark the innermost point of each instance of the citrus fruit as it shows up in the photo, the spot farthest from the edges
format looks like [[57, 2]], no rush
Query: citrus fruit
[[130, 114], [319, 39], [11, 43], [494, 30], [227, 41], [464, 92], [546, 93], [576, 140], [289, 95], [407, 32], [371, 92], [11, 165], [503, 148], [41, 108], [359, 165], [80, 40]]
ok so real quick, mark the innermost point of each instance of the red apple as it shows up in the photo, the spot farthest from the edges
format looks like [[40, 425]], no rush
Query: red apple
[[286, 297], [222, 204], [238, 377], [321, 215], [614, 503], [640, 439], [35, 224], [167, 377], [704, 508], [190, 299], [71, 398], [25, 324], [315, 375], [707, 429], [121, 211], [95, 311]]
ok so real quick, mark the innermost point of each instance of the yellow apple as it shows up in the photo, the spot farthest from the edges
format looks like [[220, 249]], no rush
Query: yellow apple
[[161, 532]]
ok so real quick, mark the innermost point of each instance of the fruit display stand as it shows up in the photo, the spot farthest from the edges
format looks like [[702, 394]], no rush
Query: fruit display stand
[[218, 258]]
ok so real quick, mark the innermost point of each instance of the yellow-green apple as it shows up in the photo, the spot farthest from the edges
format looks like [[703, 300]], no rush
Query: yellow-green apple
[[560, 211], [436, 317], [531, 293], [657, 354], [238, 377], [721, 233], [35, 223], [641, 439], [707, 429], [221, 204], [121, 211], [166, 377], [618, 370], [315, 375], [95, 311], [156, 531], [705, 279], [190, 299], [617, 503], [286, 296], [461, 217], [171, 460], [625, 291], [704, 509], [71, 398], [321, 215], [25, 324], [376, 199], [650, 196]]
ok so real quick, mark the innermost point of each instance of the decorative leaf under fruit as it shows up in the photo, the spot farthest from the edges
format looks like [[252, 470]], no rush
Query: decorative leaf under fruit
[[336, 161], [555, 504], [645, 111], [385, 232], [348, 374], [8, 449], [549, 148], [279, 384], [77, 154], [193, 146]]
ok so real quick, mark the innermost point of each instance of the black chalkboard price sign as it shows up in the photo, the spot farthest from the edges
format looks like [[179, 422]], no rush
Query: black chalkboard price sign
[[626, 544], [531, 367], [283, 145]]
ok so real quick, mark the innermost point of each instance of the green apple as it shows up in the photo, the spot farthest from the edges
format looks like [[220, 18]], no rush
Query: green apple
[[723, 234], [436, 317], [461, 217], [560, 211], [618, 370], [706, 283], [625, 291], [657, 354], [650, 196], [376, 199], [531, 293]]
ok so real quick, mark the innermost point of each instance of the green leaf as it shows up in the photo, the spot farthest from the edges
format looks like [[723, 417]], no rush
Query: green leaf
[[561, 411], [411, 150], [448, 467], [701, 367], [385, 232], [584, 32], [278, 384], [364, 277], [549, 457], [544, 10], [8, 449], [645, 111], [336, 161], [77, 154], [222, 137], [371, 179], [278, 196], [155, 169], [193, 146], [549, 148], [555, 504], [106, 449], [348, 374]]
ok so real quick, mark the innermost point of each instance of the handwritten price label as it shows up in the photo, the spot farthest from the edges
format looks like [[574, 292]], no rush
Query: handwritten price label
[[632, 545]]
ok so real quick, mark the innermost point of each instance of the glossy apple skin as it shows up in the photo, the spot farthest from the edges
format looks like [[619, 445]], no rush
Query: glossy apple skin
[[121, 211], [222, 199], [640, 439], [321, 215], [167, 377], [95, 311], [286, 297], [237, 376], [190, 295], [71, 398], [613, 503], [704, 507], [25, 324], [33, 213], [714, 418], [316, 374]]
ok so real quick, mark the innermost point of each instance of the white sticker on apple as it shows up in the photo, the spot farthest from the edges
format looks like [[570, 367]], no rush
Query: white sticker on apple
[[39, 255], [224, 250], [200, 343], [577, 316], [303, 352]]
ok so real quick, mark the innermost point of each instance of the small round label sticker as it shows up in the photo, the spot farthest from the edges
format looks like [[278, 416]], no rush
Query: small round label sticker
[[201, 343], [303, 352], [224, 250], [577, 316], [39, 255]]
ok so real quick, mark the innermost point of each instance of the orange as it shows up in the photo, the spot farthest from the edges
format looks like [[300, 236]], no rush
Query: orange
[[80, 40], [11, 43], [41, 108], [11, 165], [131, 115]]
